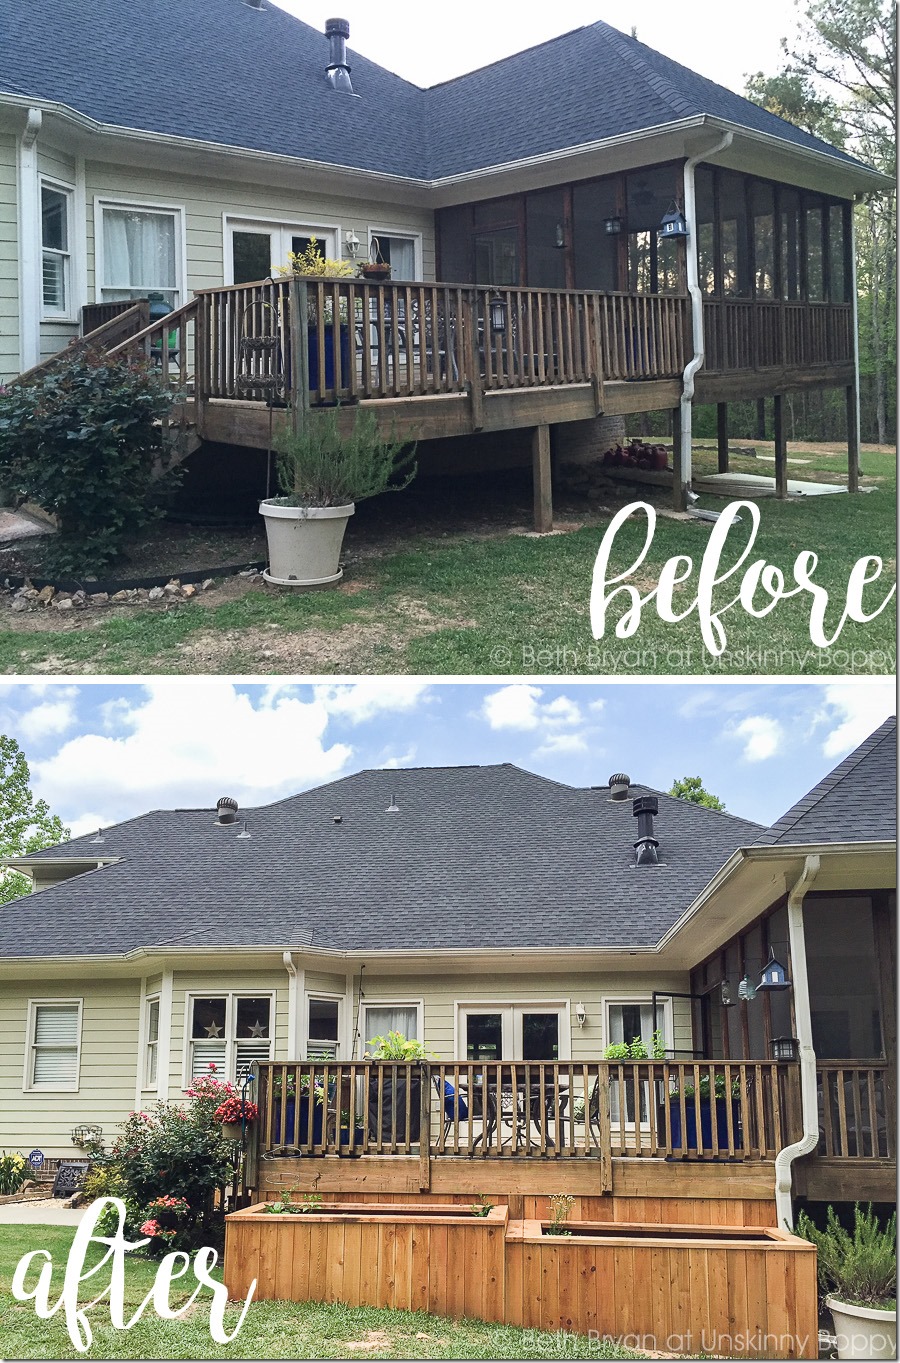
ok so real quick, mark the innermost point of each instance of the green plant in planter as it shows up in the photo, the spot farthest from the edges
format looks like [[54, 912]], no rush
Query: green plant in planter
[[319, 466], [482, 1207], [859, 1269], [704, 1088], [636, 1049], [561, 1205], [395, 1046]]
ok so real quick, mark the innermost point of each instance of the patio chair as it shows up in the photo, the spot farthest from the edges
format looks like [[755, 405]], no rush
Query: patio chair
[[453, 1108]]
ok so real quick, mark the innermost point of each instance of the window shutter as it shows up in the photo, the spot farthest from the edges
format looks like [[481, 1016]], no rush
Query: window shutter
[[247, 1052], [204, 1054]]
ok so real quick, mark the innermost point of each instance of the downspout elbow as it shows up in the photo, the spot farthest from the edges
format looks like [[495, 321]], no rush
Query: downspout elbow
[[289, 964], [809, 1140]]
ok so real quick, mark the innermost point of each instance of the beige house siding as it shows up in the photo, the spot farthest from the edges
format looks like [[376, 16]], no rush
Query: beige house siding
[[9, 259], [109, 1043]]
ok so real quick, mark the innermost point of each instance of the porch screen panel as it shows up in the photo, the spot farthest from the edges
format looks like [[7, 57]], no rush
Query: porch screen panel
[[55, 1047], [789, 201], [735, 254], [545, 234], [456, 245], [706, 240], [840, 285], [815, 273], [652, 264], [762, 209], [596, 251], [138, 254], [843, 984]]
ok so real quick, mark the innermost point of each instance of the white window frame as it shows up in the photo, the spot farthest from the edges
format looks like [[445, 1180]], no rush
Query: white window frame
[[366, 1004], [28, 1084], [177, 211], [405, 234], [324, 996], [149, 1085], [328, 235], [67, 313], [666, 1026], [511, 1011], [230, 996]]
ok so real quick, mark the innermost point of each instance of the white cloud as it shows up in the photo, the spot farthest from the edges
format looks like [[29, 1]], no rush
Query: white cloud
[[357, 702], [597, 705], [399, 760], [561, 711], [49, 718], [178, 744], [554, 744], [762, 735], [512, 707], [852, 711]]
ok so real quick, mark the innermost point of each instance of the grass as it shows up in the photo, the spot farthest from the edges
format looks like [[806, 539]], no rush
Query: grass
[[271, 1329], [515, 604]]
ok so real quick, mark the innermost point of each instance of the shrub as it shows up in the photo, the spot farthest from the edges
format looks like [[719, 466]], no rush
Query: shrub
[[83, 440], [13, 1173], [395, 1046], [860, 1269], [320, 467], [168, 1223]]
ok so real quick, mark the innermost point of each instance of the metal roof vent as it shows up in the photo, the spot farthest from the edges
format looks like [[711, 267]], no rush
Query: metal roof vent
[[393, 807], [643, 810], [618, 786], [226, 810], [337, 31], [253, 4]]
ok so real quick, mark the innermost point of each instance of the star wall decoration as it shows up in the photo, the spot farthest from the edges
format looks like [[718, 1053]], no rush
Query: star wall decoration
[[257, 1029], [214, 1030]]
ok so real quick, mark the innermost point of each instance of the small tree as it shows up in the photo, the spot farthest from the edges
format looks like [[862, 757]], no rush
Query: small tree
[[26, 824], [84, 441], [691, 788]]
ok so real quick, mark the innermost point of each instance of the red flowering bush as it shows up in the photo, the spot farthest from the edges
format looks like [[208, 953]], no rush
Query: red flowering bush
[[168, 1224], [236, 1110]]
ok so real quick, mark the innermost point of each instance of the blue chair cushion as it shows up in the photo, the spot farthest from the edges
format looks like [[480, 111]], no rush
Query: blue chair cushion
[[450, 1106]]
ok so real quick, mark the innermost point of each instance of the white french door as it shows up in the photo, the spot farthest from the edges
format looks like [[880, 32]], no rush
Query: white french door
[[629, 1020], [254, 249], [513, 1032]]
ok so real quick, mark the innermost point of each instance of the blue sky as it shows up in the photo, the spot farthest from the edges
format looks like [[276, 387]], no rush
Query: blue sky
[[103, 752]]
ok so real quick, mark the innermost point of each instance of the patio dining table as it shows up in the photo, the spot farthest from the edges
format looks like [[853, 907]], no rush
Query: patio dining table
[[521, 1105]]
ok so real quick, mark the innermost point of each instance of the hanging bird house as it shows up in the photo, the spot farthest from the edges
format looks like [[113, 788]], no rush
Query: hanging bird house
[[673, 223], [774, 976]]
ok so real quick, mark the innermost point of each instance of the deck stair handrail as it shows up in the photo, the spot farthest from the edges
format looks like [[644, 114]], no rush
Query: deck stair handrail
[[125, 323], [560, 1110]]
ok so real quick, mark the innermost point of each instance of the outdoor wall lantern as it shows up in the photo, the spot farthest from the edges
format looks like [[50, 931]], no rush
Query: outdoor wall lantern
[[746, 990], [785, 1048], [580, 1014], [774, 975], [560, 236], [727, 996], [613, 226], [498, 314], [351, 241], [673, 223]]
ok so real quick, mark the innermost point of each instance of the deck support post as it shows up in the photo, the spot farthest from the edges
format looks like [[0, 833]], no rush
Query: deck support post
[[852, 439], [760, 418], [299, 356], [679, 486], [722, 435], [781, 489], [543, 488]]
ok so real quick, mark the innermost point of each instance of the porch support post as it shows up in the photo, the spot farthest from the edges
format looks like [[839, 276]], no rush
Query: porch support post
[[884, 923], [722, 435], [852, 437], [760, 418], [679, 481], [780, 449], [543, 488]]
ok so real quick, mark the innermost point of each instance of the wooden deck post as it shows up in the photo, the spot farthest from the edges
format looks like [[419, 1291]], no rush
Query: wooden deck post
[[425, 1128], [722, 435], [679, 487], [852, 439], [299, 356], [543, 488], [780, 449], [201, 363], [760, 418]]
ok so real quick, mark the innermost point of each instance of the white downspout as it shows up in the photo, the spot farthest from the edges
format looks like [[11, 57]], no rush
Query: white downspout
[[29, 227], [854, 295], [693, 282], [808, 1097], [296, 991]]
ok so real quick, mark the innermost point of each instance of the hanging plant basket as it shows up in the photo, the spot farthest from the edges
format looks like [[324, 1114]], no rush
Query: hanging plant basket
[[377, 271]]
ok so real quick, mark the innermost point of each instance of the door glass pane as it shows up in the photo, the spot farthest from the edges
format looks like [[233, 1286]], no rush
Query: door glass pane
[[251, 256], [322, 1030], [484, 1036], [497, 257], [53, 219], [400, 254], [540, 1036]]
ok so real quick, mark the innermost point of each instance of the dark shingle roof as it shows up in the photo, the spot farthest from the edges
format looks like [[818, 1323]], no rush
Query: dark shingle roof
[[857, 802], [223, 71], [476, 857]]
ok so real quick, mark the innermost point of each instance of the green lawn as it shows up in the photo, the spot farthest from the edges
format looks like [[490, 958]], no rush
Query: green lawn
[[271, 1329], [508, 603]]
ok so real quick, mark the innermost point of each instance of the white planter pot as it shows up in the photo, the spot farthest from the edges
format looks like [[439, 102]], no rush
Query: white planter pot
[[304, 543], [863, 1332]]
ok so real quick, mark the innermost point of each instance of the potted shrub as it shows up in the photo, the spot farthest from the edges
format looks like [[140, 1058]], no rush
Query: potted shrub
[[311, 264], [391, 1093], [687, 1139], [322, 475], [636, 1049], [859, 1274]]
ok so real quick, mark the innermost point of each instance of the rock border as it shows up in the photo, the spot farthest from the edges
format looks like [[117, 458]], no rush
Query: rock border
[[30, 596]]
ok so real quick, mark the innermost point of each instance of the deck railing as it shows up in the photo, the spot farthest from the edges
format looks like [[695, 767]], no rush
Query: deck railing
[[856, 1110], [559, 1110], [745, 333]]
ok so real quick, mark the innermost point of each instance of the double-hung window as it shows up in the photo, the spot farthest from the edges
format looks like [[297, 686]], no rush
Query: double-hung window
[[56, 251], [229, 1031], [54, 1044], [380, 1018], [151, 1043], [140, 252], [402, 253]]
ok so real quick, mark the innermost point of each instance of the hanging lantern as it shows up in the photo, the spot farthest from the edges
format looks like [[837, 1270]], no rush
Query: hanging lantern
[[746, 990], [785, 1048], [673, 223], [612, 226], [774, 975], [727, 996], [498, 314]]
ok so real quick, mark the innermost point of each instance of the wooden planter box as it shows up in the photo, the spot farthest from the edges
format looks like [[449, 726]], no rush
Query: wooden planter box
[[731, 1291], [440, 1259]]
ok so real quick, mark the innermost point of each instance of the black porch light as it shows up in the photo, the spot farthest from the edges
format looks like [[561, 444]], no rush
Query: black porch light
[[612, 226], [673, 223], [498, 312], [774, 976], [785, 1048]]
